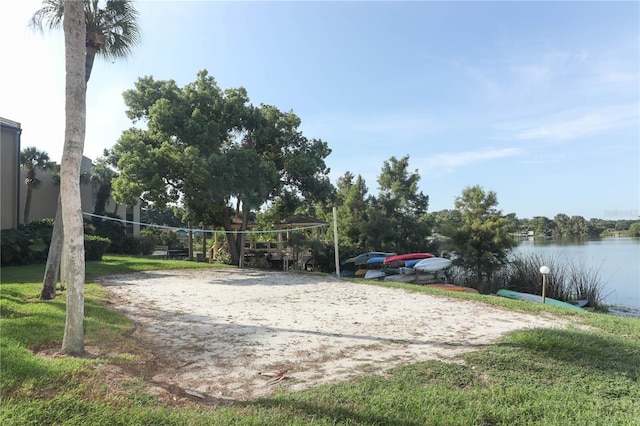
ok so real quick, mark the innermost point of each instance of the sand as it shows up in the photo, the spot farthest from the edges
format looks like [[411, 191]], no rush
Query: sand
[[239, 334]]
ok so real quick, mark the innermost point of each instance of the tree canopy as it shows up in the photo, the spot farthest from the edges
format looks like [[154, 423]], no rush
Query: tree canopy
[[395, 220], [480, 235], [400, 209], [215, 153]]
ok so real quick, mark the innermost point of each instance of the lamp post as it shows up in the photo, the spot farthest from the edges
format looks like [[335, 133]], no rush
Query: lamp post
[[544, 270]]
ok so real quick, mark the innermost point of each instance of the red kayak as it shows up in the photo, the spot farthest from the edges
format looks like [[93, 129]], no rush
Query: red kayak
[[407, 256]]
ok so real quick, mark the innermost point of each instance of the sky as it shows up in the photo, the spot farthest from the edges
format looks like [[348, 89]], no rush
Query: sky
[[536, 101]]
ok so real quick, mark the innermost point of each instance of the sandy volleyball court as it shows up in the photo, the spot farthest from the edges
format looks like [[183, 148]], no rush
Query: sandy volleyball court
[[224, 333]]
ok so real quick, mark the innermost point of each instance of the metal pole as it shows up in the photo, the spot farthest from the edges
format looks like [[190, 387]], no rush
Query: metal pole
[[544, 287], [335, 242]]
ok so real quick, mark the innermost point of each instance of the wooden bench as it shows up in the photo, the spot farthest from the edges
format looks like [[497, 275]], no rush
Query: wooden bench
[[161, 251]]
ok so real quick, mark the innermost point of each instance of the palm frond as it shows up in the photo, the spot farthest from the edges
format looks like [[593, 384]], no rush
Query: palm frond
[[49, 15], [117, 22], [112, 30]]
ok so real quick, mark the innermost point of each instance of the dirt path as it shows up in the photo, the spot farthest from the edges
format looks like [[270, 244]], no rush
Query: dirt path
[[216, 331]]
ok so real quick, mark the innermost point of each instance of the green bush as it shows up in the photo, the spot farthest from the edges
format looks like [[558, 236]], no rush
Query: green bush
[[223, 257], [29, 244], [147, 242], [26, 244], [257, 260], [151, 236], [95, 247], [169, 238], [129, 245], [115, 231]]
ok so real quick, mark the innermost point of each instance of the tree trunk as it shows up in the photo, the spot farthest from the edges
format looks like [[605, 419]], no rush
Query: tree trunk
[[75, 122], [190, 241], [242, 236], [231, 241], [99, 209], [55, 250], [27, 205], [204, 242], [53, 258], [88, 64]]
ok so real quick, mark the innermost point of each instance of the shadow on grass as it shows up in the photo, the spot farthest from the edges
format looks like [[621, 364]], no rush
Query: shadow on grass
[[22, 274], [19, 365], [586, 351], [408, 395], [109, 265], [120, 265], [336, 414]]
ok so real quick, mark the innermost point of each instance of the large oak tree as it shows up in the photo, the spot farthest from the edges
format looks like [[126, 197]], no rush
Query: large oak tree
[[215, 153]]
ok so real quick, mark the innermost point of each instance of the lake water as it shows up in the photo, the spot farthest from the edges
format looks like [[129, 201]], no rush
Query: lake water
[[617, 261]]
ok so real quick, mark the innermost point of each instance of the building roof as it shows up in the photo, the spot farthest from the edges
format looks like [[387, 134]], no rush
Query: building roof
[[9, 123], [301, 220]]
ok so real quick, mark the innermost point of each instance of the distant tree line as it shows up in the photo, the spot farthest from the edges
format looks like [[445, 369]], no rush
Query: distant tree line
[[560, 226], [564, 226]]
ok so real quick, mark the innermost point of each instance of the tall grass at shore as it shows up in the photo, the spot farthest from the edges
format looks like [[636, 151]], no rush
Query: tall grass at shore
[[568, 280]]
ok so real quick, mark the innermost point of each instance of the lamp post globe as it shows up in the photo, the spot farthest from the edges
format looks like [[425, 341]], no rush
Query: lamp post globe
[[544, 270]]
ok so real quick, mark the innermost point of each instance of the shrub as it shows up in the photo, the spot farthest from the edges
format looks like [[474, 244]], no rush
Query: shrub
[[257, 260], [223, 257], [147, 243], [151, 237], [169, 238], [26, 244], [95, 247], [129, 245], [30, 243], [115, 231]]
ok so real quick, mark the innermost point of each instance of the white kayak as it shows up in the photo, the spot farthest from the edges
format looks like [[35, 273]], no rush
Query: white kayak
[[432, 264], [374, 274]]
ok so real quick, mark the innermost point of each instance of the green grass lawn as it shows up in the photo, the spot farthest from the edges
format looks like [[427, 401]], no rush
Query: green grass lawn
[[587, 374]]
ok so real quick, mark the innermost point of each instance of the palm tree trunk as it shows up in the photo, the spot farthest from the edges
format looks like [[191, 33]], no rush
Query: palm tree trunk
[[27, 205], [75, 122], [88, 64], [53, 258], [129, 37], [55, 249]]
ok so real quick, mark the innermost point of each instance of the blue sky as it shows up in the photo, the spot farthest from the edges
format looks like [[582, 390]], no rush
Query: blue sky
[[537, 101]]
